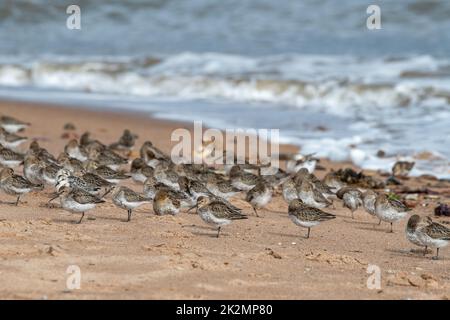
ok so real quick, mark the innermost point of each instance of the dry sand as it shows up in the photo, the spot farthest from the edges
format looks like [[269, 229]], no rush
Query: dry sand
[[178, 257]]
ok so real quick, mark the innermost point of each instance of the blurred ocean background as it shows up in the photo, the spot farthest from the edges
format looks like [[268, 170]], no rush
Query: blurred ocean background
[[310, 68]]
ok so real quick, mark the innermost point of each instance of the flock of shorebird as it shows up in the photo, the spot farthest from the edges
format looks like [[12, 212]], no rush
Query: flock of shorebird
[[87, 173]]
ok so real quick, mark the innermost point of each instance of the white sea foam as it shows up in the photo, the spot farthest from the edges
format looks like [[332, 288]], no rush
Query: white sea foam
[[399, 105]]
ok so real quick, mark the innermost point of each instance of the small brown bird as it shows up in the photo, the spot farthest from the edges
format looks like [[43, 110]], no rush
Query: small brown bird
[[259, 196], [128, 199], [12, 125], [126, 141], [16, 185], [306, 216], [166, 202], [402, 168], [433, 235], [217, 213]]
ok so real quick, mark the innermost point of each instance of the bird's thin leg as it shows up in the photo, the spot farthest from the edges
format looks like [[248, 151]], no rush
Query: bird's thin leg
[[392, 231], [379, 222], [256, 213], [437, 254], [106, 192], [309, 230], [17, 201], [218, 232], [353, 216], [55, 197], [82, 216], [425, 251], [129, 215]]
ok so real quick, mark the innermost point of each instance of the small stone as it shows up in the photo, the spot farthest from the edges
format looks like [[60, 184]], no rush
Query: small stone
[[442, 210], [69, 126], [381, 154], [416, 281], [412, 196], [272, 253]]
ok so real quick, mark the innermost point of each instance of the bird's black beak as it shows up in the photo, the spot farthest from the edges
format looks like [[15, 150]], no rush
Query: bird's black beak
[[194, 206]]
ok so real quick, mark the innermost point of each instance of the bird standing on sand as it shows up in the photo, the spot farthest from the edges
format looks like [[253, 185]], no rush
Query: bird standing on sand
[[16, 185], [259, 196], [351, 197], [432, 235], [217, 213], [389, 209], [128, 199], [411, 231], [77, 200], [306, 216]]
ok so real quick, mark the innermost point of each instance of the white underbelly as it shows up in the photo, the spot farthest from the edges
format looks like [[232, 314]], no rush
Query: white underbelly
[[301, 223]]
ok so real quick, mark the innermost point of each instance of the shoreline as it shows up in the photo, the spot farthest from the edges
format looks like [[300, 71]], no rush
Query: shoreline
[[161, 257]]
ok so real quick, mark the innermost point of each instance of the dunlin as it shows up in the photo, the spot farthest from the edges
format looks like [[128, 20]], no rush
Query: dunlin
[[413, 224], [289, 189], [12, 125], [221, 187], [126, 141], [77, 200], [241, 179], [140, 171], [217, 213], [389, 209], [107, 173], [351, 197], [74, 150], [433, 235], [166, 202], [311, 196], [259, 196], [10, 140], [307, 162], [306, 216], [128, 199], [16, 185], [9, 158], [402, 168]]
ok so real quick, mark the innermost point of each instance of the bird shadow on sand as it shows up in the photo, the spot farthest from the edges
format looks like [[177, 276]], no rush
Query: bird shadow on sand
[[204, 231], [375, 228], [74, 221], [47, 205], [208, 234], [194, 226], [359, 222], [413, 253], [118, 218], [280, 234]]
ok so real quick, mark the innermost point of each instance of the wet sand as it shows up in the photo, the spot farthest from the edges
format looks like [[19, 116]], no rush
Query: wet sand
[[179, 257]]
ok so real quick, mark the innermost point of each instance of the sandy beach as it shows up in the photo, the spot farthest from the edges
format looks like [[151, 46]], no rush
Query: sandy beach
[[165, 257]]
